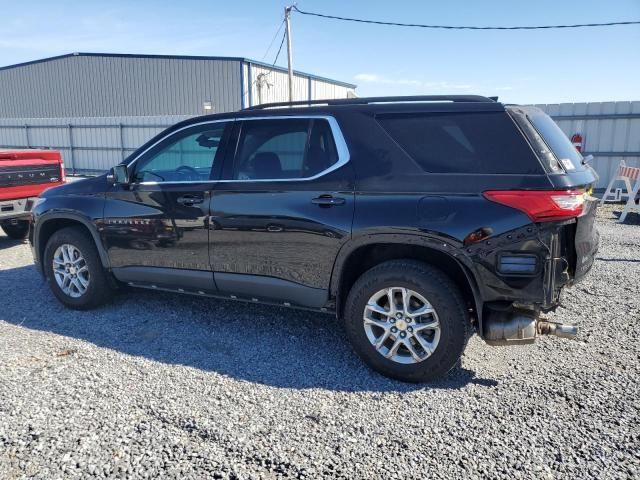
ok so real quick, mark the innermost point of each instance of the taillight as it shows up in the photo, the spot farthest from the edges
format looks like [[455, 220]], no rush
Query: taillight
[[541, 205]]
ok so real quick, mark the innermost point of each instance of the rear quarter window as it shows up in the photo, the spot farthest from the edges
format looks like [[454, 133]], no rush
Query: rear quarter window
[[484, 142], [555, 138]]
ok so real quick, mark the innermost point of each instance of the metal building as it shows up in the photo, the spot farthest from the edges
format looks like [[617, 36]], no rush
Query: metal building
[[109, 85], [98, 107]]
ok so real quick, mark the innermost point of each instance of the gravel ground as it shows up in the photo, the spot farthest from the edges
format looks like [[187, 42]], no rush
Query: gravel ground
[[161, 385]]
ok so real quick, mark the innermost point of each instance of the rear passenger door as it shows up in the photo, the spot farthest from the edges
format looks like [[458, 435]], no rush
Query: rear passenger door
[[282, 210]]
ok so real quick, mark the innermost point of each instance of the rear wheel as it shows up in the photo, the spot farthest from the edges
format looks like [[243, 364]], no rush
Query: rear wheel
[[74, 271], [18, 230], [407, 320]]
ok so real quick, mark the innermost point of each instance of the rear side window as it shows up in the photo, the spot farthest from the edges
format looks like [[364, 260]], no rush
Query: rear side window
[[284, 149], [485, 142]]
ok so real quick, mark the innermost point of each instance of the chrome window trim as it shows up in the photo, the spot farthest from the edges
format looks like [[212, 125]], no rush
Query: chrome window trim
[[341, 147]]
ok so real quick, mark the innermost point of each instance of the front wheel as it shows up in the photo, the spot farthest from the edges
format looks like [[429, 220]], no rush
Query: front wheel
[[74, 271], [18, 230], [407, 320]]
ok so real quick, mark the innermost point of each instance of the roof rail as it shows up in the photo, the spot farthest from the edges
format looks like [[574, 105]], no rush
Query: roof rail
[[367, 100]]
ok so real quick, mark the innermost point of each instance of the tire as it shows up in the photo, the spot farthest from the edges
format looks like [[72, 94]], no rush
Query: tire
[[419, 281], [17, 231], [99, 289]]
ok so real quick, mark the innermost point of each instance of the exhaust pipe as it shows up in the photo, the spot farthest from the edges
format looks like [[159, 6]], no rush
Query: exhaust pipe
[[521, 328], [561, 330]]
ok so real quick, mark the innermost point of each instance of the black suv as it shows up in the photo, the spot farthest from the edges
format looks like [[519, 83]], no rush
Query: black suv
[[417, 220]]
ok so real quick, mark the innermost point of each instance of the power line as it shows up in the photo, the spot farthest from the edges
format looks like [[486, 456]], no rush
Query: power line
[[280, 49], [452, 27], [261, 78], [273, 40], [284, 35]]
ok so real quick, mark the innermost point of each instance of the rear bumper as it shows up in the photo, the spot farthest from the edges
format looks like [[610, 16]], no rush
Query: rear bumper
[[586, 241], [15, 209], [512, 304], [559, 255]]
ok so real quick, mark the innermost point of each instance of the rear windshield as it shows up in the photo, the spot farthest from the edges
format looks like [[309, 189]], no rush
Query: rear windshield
[[483, 142], [556, 140]]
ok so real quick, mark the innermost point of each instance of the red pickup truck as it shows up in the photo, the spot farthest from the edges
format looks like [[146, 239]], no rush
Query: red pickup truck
[[24, 174]]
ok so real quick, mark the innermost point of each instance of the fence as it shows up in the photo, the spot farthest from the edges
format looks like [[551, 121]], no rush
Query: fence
[[88, 145]]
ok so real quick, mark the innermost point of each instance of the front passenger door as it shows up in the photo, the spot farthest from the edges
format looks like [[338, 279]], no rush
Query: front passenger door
[[156, 229]]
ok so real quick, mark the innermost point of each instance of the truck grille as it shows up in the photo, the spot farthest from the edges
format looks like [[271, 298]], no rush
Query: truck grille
[[12, 176]]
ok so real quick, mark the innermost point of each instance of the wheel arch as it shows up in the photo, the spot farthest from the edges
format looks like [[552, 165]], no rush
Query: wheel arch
[[48, 224], [358, 256]]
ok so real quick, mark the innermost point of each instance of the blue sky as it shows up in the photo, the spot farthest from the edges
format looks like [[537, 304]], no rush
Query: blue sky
[[523, 66]]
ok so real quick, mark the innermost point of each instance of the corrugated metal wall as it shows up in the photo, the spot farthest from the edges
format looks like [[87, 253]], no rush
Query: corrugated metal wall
[[107, 86], [87, 144], [321, 89], [266, 85], [610, 131], [98, 108]]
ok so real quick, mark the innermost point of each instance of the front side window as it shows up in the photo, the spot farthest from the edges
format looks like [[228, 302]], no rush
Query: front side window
[[187, 157], [284, 149]]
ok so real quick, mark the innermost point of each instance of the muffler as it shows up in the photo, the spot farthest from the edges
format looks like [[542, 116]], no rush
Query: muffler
[[520, 328]]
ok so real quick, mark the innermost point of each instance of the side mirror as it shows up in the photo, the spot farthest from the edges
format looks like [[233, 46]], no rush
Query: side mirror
[[119, 175]]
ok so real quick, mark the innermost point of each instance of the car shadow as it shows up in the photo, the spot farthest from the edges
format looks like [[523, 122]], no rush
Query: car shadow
[[274, 346], [6, 242]]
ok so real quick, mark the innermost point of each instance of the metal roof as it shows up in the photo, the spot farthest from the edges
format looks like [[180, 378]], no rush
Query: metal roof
[[180, 57]]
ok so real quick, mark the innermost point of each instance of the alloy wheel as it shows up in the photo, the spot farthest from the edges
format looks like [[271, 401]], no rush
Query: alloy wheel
[[401, 325], [70, 270]]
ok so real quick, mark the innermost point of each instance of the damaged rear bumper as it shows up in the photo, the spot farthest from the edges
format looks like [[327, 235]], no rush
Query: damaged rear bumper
[[523, 273]]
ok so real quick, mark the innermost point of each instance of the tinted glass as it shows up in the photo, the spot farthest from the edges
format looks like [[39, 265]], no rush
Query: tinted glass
[[322, 151], [284, 149], [187, 158], [486, 142], [557, 141]]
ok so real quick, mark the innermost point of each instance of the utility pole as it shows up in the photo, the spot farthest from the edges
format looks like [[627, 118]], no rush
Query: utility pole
[[287, 17]]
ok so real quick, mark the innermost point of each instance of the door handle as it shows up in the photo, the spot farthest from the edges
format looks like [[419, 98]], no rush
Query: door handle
[[328, 201], [189, 200]]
